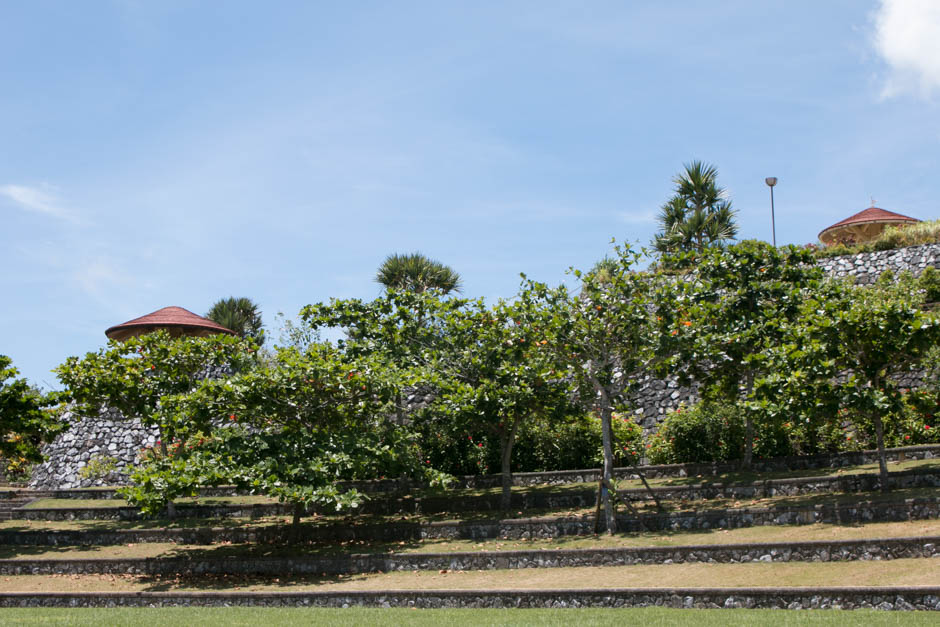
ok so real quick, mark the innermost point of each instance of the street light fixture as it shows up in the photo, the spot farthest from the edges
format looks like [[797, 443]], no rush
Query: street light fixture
[[771, 181]]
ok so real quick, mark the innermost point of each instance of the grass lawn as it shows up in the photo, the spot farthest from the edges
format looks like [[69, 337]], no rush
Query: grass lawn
[[903, 572], [649, 617], [762, 534]]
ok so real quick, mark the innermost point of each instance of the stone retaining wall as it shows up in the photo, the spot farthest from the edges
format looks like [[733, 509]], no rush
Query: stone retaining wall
[[823, 551], [884, 598], [865, 268], [550, 527]]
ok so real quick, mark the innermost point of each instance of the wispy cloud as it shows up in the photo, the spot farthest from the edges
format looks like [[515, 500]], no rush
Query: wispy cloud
[[36, 200], [907, 36], [647, 217]]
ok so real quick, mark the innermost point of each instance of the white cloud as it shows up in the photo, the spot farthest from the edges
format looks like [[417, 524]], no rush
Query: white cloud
[[907, 36], [36, 200]]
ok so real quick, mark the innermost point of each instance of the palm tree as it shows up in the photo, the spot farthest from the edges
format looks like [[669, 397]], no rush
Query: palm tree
[[241, 315], [417, 273], [698, 215]]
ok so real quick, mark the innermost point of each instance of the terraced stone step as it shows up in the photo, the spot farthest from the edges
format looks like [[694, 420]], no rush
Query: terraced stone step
[[353, 564], [884, 598], [884, 510], [549, 500]]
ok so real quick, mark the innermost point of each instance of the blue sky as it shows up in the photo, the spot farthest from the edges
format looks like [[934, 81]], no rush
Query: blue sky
[[173, 153]]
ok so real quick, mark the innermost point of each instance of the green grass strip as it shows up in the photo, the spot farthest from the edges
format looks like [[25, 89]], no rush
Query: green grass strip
[[649, 617]]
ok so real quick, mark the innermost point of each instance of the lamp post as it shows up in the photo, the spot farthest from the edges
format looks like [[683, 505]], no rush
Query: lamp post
[[771, 181]]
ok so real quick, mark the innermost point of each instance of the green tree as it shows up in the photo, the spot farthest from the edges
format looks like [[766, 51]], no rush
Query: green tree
[[498, 370], [849, 348], [611, 339], [297, 427], [240, 315], [698, 215], [733, 310], [139, 375], [416, 273], [492, 368], [25, 421]]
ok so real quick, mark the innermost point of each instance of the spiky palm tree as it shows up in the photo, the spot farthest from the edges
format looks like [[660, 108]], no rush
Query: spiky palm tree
[[698, 215], [417, 273], [240, 315]]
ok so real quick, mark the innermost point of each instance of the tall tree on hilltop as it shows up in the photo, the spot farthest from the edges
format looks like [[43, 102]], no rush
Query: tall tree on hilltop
[[416, 273], [241, 315], [698, 215]]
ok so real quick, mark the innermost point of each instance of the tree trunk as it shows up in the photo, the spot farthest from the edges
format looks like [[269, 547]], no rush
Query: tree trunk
[[748, 424], [607, 439], [170, 505], [506, 441], [882, 462], [748, 441]]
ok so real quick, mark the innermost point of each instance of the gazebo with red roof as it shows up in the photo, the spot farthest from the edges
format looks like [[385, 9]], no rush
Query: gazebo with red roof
[[863, 226], [175, 320]]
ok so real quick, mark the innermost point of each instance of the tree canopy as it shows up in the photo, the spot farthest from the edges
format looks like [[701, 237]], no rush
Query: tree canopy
[[25, 421], [698, 215], [240, 315], [416, 273]]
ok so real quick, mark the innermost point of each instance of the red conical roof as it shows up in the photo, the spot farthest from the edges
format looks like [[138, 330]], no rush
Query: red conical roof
[[872, 215], [176, 320]]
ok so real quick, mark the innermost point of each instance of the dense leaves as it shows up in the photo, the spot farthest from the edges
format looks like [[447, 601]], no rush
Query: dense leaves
[[135, 375], [733, 309], [416, 273], [240, 315], [25, 420], [698, 215]]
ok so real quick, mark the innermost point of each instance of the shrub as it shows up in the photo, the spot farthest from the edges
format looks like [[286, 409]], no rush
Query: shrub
[[711, 431], [98, 467], [541, 445]]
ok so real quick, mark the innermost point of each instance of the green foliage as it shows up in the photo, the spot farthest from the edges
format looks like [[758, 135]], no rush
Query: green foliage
[[731, 312], [240, 315], [542, 444], [416, 273], [297, 334], [26, 421], [135, 376], [98, 467], [698, 215], [295, 428], [862, 338], [929, 282], [713, 432], [492, 368]]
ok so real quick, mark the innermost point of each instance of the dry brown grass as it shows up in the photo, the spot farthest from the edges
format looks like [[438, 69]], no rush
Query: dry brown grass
[[889, 573]]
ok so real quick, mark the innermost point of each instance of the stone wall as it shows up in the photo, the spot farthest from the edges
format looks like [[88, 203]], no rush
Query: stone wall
[[121, 440], [819, 551], [844, 598], [867, 267], [110, 439], [861, 512]]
